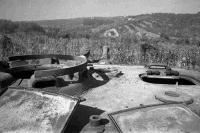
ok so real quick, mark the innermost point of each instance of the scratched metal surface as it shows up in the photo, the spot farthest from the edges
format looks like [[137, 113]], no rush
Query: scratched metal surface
[[28, 111], [171, 118]]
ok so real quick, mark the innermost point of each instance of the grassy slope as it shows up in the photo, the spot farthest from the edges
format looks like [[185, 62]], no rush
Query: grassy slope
[[150, 24]]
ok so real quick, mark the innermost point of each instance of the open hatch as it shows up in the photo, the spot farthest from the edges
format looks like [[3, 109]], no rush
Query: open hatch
[[168, 80], [162, 74]]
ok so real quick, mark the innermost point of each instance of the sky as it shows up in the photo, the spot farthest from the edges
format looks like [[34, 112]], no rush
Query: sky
[[28, 10]]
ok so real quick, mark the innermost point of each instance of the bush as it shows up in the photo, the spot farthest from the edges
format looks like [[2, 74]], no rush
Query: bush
[[53, 32], [7, 26], [6, 46], [164, 36], [29, 27]]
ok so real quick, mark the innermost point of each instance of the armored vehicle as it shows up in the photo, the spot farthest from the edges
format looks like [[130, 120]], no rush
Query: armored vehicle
[[63, 93]]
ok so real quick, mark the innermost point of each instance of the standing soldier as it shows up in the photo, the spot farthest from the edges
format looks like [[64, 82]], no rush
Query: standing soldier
[[184, 61], [105, 59]]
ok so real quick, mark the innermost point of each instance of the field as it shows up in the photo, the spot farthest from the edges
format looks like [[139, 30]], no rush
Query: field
[[173, 39], [122, 51]]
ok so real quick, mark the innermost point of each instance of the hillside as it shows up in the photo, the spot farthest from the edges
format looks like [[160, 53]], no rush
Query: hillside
[[173, 39], [150, 25]]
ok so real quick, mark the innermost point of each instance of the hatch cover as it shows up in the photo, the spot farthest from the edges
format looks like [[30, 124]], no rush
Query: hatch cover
[[23, 110], [162, 118]]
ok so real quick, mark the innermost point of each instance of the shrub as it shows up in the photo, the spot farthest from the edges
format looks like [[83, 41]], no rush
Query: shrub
[[7, 26], [29, 27], [164, 36]]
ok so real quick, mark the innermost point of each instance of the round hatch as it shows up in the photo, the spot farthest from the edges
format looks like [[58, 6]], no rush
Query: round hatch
[[162, 74]]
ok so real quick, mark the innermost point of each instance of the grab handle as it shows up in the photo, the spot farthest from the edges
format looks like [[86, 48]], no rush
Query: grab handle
[[158, 66]]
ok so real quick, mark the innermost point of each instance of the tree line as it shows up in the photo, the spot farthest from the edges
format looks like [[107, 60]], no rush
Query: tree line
[[9, 27]]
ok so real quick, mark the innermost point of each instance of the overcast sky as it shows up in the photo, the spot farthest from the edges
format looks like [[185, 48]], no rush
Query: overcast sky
[[18, 10]]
